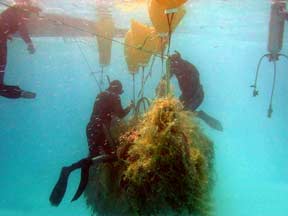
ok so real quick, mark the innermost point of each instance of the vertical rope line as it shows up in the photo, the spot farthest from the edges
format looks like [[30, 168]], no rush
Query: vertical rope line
[[169, 20], [270, 110], [134, 97], [142, 81], [87, 63]]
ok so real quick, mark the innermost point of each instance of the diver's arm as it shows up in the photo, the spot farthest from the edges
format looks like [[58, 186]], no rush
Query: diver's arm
[[284, 13], [23, 32], [119, 111]]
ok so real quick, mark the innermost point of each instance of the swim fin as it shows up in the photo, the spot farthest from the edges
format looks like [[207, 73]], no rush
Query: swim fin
[[60, 187], [83, 182], [212, 122], [28, 95], [14, 92], [85, 172]]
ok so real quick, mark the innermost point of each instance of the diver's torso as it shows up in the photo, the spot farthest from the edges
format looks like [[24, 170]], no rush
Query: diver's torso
[[103, 107], [188, 79], [10, 21]]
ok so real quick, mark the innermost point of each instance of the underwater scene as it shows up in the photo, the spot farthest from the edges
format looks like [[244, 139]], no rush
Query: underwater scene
[[143, 107]]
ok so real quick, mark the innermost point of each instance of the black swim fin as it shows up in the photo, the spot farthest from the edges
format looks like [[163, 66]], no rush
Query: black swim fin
[[211, 121], [83, 182], [28, 95], [60, 187], [85, 171], [15, 92]]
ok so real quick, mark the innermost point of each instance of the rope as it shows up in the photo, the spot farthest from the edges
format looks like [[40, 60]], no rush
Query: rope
[[255, 91], [168, 77], [169, 20], [142, 81], [147, 76], [102, 76], [162, 56], [142, 101], [285, 56], [88, 65], [134, 97], [270, 110]]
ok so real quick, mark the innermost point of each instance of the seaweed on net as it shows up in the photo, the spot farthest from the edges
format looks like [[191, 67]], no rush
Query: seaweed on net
[[165, 167]]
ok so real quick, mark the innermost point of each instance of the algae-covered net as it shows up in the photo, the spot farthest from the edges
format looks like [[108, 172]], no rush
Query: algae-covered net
[[165, 167]]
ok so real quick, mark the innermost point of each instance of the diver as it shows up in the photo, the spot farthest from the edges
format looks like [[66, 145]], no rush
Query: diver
[[191, 88], [13, 20], [106, 106]]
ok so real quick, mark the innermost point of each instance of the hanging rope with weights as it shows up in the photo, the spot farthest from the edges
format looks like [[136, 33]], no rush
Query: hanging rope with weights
[[149, 74], [275, 43], [142, 81], [143, 101], [102, 76], [162, 55], [170, 15], [134, 90], [254, 86], [270, 110]]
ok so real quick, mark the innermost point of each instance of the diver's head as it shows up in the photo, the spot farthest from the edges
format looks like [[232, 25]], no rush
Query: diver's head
[[175, 60], [115, 87], [176, 56]]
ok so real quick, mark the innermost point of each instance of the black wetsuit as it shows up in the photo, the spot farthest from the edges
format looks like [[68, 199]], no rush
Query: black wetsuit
[[189, 83], [107, 105], [12, 20], [286, 15]]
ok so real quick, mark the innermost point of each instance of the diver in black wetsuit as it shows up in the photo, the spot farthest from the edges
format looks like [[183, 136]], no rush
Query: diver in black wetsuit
[[107, 105], [191, 88], [13, 20]]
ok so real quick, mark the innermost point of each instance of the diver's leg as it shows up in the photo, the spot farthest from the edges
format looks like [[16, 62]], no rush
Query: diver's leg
[[194, 102], [13, 92], [3, 59], [96, 138]]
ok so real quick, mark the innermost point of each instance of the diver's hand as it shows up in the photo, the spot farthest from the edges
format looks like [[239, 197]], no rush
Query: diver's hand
[[131, 105], [31, 48]]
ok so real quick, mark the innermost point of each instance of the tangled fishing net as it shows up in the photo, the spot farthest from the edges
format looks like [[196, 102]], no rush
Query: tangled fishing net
[[165, 167]]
